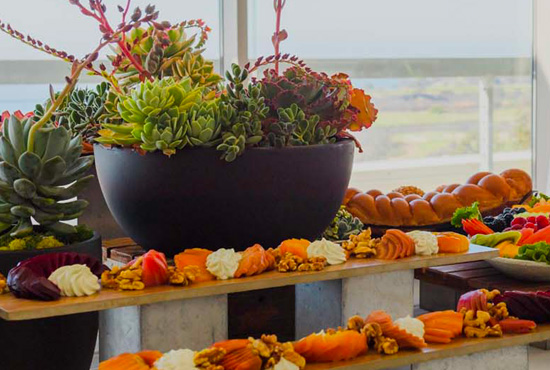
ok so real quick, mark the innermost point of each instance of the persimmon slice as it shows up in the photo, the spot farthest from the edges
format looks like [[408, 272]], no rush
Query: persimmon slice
[[125, 361], [254, 261], [330, 347], [404, 339]]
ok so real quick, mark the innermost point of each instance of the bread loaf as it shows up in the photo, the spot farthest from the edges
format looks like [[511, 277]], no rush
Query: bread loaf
[[435, 207]]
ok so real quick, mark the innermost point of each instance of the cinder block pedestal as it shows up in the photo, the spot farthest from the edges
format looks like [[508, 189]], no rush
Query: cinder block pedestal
[[391, 292], [318, 306], [330, 303], [509, 358], [191, 323]]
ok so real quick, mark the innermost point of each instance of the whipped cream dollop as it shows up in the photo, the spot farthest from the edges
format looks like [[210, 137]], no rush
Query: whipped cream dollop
[[223, 263], [333, 252], [284, 364], [425, 243], [411, 325], [181, 359], [75, 281]]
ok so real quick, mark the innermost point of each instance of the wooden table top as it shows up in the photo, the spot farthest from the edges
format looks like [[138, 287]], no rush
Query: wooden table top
[[12, 308], [458, 347], [475, 275]]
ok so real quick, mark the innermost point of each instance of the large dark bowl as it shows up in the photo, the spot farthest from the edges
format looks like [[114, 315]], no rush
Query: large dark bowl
[[195, 199], [57, 343]]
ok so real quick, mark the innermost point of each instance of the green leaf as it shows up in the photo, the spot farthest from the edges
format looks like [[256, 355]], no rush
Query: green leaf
[[58, 141], [24, 188], [30, 164], [79, 168], [466, 213], [22, 211], [7, 151], [23, 228], [61, 228], [8, 173], [52, 170], [65, 193], [15, 135]]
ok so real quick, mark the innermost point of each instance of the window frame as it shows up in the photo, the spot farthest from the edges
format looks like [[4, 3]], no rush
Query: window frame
[[234, 49]]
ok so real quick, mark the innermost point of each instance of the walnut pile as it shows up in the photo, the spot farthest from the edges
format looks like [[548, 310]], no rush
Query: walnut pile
[[375, 337], [498, 311], [124, 278], [209, 359], [182, 277], [409, 189], [3, 285], [290, 262], [271, 351], [490, 294], [356, 323], [361, 245], [478, 325]]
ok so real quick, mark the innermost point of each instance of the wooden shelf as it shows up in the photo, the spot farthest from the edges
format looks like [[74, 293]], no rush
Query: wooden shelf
[[12, 308], [458, 347]]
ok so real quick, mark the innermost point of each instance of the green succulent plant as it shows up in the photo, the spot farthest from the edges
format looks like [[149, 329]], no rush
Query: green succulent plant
[[203, 125], [293, 128], [343, 225], [242, 111], [81, 111], [167, 53], [165, 115], [39, 183]]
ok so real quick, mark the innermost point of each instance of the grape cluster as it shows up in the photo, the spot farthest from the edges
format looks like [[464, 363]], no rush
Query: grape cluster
[[502, 221]]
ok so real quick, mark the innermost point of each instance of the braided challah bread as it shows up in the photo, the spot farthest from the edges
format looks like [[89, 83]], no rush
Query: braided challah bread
[[435, 207]]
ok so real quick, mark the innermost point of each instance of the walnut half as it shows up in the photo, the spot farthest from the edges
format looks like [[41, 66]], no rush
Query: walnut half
[[209, 358], [385, 345], [356, 323], [182, 277]]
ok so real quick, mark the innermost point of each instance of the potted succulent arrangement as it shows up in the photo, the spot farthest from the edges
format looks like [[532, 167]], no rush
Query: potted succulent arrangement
[[40, 171], [185, 159]]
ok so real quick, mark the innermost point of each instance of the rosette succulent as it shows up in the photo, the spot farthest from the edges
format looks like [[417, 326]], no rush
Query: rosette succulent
[[164, 115], [37, 181], [203, 125]]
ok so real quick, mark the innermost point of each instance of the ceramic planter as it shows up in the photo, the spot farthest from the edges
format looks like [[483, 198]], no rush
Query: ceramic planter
[[195, 199]]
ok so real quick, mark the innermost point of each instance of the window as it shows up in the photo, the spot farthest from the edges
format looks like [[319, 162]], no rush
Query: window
[[452, 80]]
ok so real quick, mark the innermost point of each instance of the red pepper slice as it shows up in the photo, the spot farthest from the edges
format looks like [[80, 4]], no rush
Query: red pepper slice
[[474, 226], [517, 326]]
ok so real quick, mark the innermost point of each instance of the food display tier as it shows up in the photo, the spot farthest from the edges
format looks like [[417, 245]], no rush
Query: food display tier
[[458, 347], [12, 308]]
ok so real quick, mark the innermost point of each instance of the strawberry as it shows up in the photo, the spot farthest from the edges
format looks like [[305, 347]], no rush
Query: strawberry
[[155, 269]]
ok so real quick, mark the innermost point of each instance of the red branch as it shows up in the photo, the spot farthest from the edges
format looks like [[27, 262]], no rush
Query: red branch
[[279, 35], [98, 14]]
